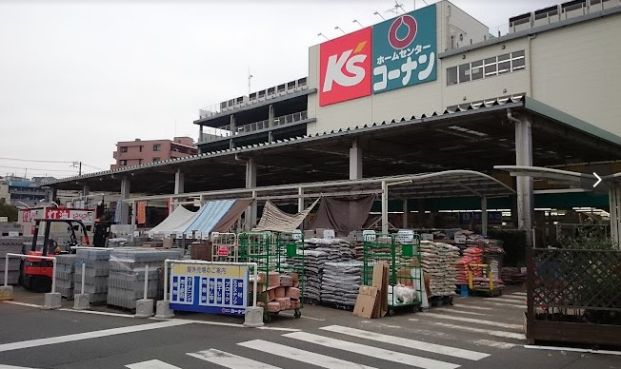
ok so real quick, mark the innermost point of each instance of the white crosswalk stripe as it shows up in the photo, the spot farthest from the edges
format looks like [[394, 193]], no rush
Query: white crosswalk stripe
[[372, 351], [496, 344], [496, 333], [503, 304], [302, 355], [473, 307], [230, 361], [409, 343], [151, 364], [519, 293], [457, 311], [475, 321], [510, 300], [515, 297]]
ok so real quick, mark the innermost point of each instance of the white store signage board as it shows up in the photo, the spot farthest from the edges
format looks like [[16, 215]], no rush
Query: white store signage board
[[369, 235], [405, 236], [328, 234]]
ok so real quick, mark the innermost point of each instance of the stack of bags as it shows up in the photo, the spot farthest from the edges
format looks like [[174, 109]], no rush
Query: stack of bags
[[312, 269], [281, 291], [336, 249], [97, 270], [341, 282], [65, 270], [439, 261], [472, 255], [11, 245], [493, 253], [127, 274]]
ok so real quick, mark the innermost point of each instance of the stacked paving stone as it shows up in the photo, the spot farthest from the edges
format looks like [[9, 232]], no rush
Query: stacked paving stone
[[11, 245], [65, 270], [97, 270], [127, 274]]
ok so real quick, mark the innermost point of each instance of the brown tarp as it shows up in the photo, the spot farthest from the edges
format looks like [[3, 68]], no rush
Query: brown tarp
[[274, 219], [344, 214], [228, 220]]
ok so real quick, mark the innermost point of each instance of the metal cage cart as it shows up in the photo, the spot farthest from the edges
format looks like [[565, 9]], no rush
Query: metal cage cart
[[405, 282], [224, 247], [280, 261], [484, 280]]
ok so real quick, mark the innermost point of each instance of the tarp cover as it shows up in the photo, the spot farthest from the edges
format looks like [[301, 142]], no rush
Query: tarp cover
[[344, 214], [176, 222], [276, 220], [228, 220], [208, 216]]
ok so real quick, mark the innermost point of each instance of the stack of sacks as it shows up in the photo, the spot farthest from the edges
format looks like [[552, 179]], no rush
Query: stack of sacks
[[439, 261], [282, 291], [341, 282], [312, 269], [493, 253], [481, 282], [336, 249], [472, 255]]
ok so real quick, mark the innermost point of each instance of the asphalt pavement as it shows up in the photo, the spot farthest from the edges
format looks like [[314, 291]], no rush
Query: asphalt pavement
[[474, 332]]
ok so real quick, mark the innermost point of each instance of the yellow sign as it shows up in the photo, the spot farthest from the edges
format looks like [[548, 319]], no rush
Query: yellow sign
[[210, 270]]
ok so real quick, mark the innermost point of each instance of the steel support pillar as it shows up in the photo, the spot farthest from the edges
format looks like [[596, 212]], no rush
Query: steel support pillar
[[251, 182], [51, 194], [614, 196], [524, 157], [125, 191], [270, 116], [232, 124], [300, 200], [179, 186], [200, 133], [355, 161], [484, 216], [384, 207]]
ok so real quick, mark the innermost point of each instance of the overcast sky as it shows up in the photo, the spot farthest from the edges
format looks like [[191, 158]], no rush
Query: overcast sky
[[78, 76]]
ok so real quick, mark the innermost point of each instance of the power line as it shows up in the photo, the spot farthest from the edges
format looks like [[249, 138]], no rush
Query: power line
[[37, 161], [39, 169]]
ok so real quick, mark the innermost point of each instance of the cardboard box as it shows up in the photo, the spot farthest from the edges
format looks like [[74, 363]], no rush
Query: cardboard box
[[380, 281], [366, 302]]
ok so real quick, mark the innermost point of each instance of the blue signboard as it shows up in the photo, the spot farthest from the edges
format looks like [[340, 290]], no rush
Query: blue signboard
[[404, 50], [216, 289]]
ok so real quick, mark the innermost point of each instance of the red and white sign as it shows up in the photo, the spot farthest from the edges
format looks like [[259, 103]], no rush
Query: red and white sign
[[87, 216], [345, 67]]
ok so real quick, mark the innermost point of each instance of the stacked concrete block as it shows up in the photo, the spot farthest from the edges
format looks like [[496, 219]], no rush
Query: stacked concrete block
[[127, 274], [65, 270], [11, 245], [97, 268]]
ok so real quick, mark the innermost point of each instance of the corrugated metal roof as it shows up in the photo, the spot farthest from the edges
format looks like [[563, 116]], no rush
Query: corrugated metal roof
[[504, 102]]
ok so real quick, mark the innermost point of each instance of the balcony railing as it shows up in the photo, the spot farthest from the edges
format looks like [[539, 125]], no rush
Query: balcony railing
[[224, 132], [254, 98]]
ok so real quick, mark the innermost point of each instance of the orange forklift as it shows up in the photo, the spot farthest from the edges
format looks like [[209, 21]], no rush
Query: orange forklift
[[36, 274]]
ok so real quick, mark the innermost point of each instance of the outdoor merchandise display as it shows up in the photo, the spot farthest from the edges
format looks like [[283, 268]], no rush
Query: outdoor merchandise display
[[97, 268], [65, 270], [340, 283], [439, 264], [128, 269], [472, 255], [404, 268], [12, 245], [275, 254]]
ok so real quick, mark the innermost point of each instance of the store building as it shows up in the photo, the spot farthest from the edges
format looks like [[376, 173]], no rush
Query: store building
[[427, 91], [22, 192], [138, 152]]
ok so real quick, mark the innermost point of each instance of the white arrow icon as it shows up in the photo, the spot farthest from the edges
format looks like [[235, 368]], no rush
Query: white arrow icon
[[599, 179]]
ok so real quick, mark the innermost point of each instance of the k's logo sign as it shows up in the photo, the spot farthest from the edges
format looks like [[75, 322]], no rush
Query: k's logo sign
[[345, 67]]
